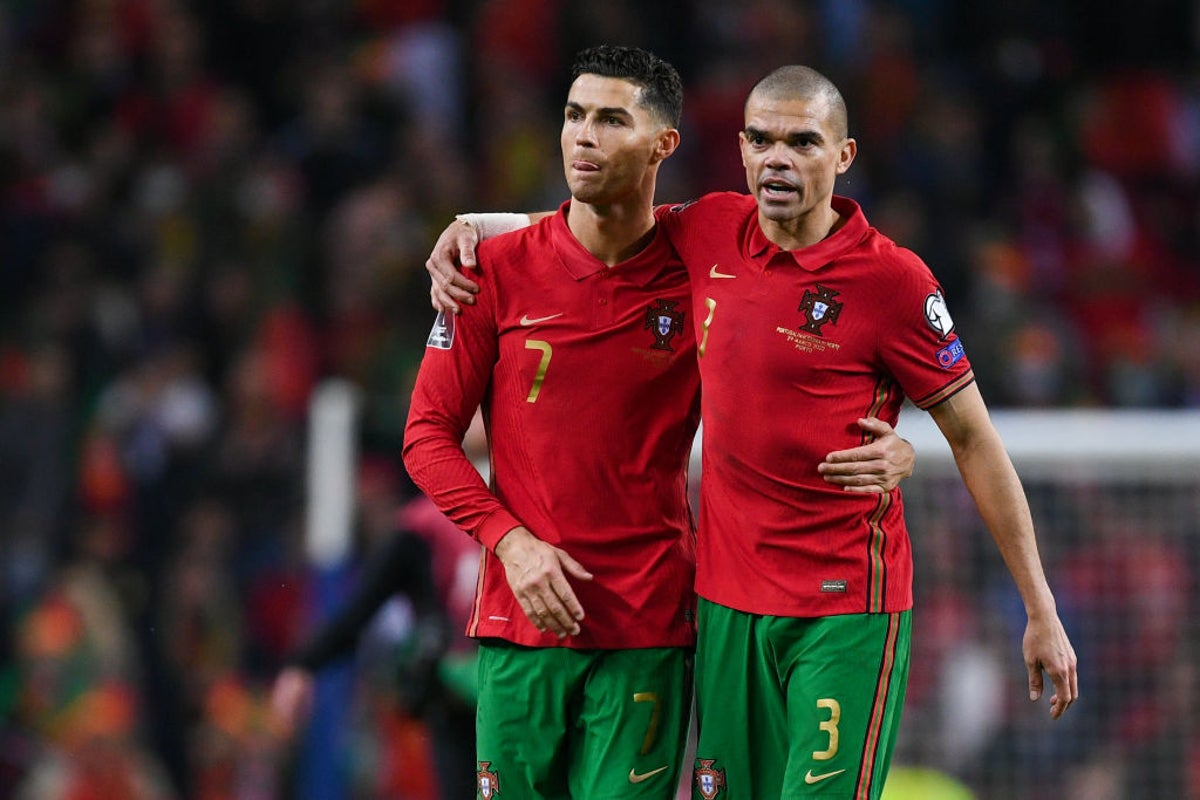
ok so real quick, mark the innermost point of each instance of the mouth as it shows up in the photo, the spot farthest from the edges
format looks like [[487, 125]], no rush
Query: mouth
[[775, 189], [585, 166]]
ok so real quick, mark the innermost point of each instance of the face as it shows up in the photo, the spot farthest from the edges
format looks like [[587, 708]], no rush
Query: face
[[610, 141], [793, 154]]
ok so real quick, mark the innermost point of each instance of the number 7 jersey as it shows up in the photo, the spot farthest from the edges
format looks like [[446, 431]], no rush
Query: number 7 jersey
[[588, 383]]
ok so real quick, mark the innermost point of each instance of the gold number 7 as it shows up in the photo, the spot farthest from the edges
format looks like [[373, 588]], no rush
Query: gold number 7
[[711, 305], [543, 364], [655, 714]]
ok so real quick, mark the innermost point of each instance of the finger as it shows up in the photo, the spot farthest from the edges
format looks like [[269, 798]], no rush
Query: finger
[[574, 567], [875, 426], [441, 302], [866, 488], [852, 465], [558, 620], [458, 293], [1066, 688], [460, 282], [1035, 680], [443, 272], [466, 254], [570, 604], [531, 613]]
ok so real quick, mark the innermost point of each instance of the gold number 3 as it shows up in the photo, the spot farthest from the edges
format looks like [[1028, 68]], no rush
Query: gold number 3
[[830, 726], [543, 364]]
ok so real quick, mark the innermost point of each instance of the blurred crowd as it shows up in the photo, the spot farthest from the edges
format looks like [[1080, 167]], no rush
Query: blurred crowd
[[207, 208]]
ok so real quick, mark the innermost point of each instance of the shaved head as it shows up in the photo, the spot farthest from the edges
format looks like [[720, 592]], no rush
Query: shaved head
[[796, 82]]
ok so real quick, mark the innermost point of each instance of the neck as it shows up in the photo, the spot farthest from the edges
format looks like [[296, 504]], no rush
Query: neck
[[612, 233], [803, 231]]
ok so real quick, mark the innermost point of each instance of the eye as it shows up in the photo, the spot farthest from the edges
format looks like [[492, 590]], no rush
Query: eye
[[756, 139], [572, 115], [613, 120]]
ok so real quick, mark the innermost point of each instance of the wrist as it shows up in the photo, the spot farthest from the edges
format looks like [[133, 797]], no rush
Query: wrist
[[494, 223]]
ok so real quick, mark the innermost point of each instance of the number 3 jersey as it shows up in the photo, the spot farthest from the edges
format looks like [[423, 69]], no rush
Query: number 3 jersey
[[589, 389], [795, 347]]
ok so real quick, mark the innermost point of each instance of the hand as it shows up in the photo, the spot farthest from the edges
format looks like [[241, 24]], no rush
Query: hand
[[291, 699], [1046, 647], [454, 247], [537, 574], [873, 468]]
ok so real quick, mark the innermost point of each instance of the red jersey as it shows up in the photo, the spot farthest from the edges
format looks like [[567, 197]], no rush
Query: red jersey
[[795, 347], [590, 393]]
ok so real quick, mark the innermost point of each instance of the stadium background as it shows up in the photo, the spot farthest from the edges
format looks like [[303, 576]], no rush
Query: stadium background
[[209, 208]]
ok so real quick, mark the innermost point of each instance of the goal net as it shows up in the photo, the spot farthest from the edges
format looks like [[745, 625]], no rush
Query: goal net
[[1115, 497]]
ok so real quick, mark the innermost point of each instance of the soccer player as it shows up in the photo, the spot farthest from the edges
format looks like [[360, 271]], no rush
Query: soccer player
[[808, 319], [583, 358]]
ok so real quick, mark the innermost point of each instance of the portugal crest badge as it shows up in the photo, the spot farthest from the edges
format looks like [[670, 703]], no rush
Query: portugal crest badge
[[819, 308], [488, 780], [709, 781], [665, 322]]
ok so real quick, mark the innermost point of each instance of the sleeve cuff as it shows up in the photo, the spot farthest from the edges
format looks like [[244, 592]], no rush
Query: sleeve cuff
[[493, 529]]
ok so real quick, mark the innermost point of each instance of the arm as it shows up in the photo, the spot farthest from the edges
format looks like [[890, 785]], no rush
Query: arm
[[990, 477], [873, 468], [455, 247], [403, 566], [450, 385]]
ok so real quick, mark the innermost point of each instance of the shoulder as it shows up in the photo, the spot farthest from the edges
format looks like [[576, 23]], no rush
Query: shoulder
[[892, 260], [515, 244], [712, 204], [713, 217]]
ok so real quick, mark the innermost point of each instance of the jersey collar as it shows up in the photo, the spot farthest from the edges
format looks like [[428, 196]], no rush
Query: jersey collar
[[815, 256], [580, 264]]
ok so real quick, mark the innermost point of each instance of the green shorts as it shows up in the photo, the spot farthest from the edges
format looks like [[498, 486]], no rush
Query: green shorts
[[555, 723], [797, 707]]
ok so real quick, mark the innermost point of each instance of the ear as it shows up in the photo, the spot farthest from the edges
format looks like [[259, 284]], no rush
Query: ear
[[846, 156], [665, 144], [742, 147]]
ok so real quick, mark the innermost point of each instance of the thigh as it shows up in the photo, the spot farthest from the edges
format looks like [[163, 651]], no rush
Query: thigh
[[632, 724], [741, 708], [523, 720], [845, 679]]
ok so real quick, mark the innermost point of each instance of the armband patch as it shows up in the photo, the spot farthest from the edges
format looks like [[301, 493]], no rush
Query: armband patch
[[951, 354]]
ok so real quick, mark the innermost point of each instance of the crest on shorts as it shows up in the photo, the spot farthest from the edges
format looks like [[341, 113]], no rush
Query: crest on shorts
[[818, 308], [488, 781], [665, 322], [709, 781]]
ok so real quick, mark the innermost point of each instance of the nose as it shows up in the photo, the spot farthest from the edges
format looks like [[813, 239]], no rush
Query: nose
[[777, 157], [585, 134]]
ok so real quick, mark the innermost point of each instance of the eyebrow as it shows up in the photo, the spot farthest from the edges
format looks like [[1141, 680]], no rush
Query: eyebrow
[[790, 136], [606, 111]]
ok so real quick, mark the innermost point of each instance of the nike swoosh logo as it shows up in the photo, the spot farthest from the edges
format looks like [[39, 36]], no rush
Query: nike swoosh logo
[[525, 320], [810, 779], [712, 273], [635, 778]]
